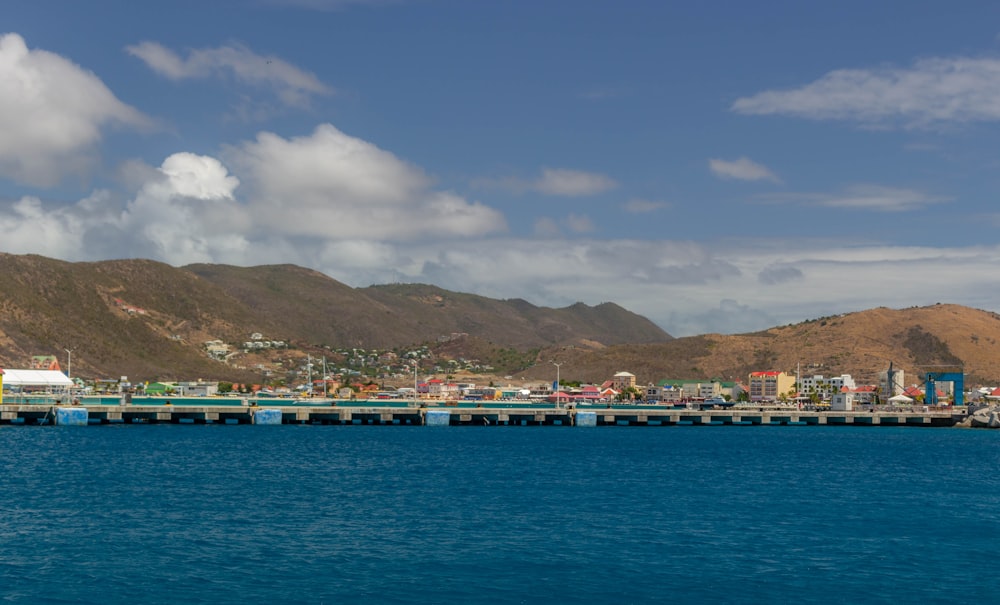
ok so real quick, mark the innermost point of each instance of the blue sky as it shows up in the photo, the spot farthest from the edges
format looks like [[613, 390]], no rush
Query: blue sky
[[714, 166]]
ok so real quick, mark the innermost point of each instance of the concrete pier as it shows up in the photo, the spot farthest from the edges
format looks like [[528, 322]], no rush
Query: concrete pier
[[464, 416]]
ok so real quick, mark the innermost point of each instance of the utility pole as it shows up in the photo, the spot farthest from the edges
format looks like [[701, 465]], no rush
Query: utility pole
[[309, 373], [558, 382], [325, 380], [69, 363], [414, 383]]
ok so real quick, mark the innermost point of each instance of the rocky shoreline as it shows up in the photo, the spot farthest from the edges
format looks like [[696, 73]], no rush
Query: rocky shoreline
[[986, 417]]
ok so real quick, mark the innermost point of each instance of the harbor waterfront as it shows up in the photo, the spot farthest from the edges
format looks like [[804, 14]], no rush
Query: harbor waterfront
[[111, 410]]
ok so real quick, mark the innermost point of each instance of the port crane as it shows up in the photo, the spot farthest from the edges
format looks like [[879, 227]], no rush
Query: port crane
[[956, 377]]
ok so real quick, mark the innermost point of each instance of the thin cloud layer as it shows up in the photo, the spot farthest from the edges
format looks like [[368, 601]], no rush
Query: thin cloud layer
[[52, 114], [869, 197], [561, 182], [638, 206], [932, 92], [293, 86], [743, 169], [572, 183]]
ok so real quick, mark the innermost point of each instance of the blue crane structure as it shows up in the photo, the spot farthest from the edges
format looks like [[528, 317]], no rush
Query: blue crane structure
[[930, 391]]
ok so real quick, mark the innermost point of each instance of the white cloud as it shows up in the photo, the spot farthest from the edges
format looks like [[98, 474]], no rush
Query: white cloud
[[572, 183], [292, 85], [876, 198], [52, 113], [190, 212], [743, 169], [554, 181], [933, 91], [334, 186]]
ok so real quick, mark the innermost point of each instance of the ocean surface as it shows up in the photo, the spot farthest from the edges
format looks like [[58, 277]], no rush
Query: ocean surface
[[389, 514]]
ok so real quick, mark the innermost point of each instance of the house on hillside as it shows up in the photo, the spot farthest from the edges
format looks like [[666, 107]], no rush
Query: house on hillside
[[44, 362], [622, 381]]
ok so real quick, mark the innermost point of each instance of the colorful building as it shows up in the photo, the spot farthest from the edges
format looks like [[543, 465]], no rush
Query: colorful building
[[771, 385]]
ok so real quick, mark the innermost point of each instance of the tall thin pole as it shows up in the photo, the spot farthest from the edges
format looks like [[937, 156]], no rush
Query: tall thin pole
[[558, 383], [325, 380], [69, 363], [309, 370], [414, 383]]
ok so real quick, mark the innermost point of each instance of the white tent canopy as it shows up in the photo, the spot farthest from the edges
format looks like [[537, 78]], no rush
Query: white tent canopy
[[900, 399], [35, 378]]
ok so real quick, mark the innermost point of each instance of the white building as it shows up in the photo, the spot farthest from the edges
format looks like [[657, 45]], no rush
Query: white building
[[825, 387]]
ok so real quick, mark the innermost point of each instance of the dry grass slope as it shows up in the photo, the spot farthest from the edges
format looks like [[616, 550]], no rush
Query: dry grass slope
[[148, 320], [916, 340]]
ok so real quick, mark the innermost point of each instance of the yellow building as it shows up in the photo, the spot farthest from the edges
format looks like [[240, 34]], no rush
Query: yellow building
[[769, 386]]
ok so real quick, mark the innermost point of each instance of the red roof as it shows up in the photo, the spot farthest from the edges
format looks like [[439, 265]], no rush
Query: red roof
[[767, 373]]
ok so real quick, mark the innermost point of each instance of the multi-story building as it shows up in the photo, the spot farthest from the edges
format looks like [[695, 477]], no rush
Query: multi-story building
[[770, 385], [622, 381], [825, 387]]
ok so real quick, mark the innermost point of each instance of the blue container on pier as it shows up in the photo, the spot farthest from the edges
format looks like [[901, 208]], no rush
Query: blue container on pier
[[72, 416], [267, 416], [586, 419], [437, 418]]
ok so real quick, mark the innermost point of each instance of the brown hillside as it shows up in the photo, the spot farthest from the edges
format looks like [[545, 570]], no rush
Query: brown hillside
[[148, 320], [861, 344]]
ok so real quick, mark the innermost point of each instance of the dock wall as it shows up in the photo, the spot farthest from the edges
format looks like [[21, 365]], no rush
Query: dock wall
[[229, 414]]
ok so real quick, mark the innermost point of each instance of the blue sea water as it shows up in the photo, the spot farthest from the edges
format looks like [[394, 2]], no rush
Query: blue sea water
[[374, 514]]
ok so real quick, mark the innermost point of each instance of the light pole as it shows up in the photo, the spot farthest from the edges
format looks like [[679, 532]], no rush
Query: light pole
[[69, 363], [414, 383], [558, 382], [326, 394]]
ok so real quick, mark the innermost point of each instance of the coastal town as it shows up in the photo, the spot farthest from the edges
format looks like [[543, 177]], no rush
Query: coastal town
[[382, 376]]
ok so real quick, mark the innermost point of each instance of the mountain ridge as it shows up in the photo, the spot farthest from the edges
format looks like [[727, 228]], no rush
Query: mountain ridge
[[147, 319], [150, 320]]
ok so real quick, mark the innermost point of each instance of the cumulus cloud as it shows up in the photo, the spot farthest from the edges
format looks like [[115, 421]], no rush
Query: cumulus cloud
[[335, 186], [931, 92], [52, 113], [184, 213], [190, 210], [743, 169], [297, 200], [293, 86]]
